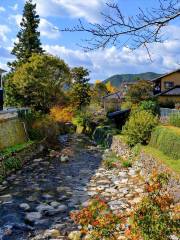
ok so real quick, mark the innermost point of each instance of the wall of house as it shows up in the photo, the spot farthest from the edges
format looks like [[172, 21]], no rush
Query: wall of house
[[165, 99], [174, 77]]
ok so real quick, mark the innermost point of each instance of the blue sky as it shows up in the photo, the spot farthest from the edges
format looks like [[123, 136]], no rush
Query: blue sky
[[101, 63]]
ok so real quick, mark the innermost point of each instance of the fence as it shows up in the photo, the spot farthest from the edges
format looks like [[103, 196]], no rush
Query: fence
[[165, 112]]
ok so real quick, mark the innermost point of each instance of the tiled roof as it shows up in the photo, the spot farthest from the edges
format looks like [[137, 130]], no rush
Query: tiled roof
[[177, 70], [117, 95], [174, 91]]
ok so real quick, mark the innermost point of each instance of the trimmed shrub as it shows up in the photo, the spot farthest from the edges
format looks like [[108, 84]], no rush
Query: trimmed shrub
[[166, 140], [149, 105], [139, 127], [174, 119]]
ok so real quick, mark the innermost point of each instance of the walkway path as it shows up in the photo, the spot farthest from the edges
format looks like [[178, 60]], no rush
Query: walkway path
[[36, 202]]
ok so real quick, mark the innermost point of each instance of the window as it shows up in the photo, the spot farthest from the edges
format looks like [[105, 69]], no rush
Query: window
[[168, 85]]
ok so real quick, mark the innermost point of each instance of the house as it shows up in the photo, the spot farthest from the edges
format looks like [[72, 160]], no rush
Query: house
[[167, 87], [1, 89], [1, 73], [112, 101]]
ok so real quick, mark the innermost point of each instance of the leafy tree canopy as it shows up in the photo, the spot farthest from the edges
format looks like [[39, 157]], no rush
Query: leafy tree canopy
[[39, 83], [141, 90]]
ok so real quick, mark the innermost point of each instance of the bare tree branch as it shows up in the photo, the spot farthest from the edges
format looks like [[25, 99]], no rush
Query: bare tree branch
[[139, 30]]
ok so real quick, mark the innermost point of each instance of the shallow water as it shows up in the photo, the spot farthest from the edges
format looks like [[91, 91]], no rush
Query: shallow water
[[46, 181]]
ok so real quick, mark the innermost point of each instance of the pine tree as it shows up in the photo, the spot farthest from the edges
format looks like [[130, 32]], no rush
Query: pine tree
[[81, 92], [28, 36]]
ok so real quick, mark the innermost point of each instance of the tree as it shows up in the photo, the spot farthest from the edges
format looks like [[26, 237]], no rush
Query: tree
[[110, 87], [39, 83], [140, 91], [139, 30], [28, 36], [80, 93], [99, 90]]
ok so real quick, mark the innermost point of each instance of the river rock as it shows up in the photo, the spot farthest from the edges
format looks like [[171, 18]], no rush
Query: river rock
[[6, 197], [62, 208], [24, 206], [52, 233], [33, 216], [64, 158], [75, 235], [44, 208], [54, 204]]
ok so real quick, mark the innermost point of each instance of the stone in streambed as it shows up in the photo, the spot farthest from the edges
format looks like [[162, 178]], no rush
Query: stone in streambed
[[75, 235], [52, 233], [64, 158], [33, 216], [24, 206]]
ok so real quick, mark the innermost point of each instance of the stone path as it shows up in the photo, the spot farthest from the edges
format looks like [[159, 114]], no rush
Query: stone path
[[35, 203]]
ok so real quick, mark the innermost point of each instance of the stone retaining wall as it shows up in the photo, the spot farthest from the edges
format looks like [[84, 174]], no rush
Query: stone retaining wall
[[147, 164], [120, 147]]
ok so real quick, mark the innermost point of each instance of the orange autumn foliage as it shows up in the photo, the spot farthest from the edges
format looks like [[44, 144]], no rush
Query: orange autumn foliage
[[62, 114]]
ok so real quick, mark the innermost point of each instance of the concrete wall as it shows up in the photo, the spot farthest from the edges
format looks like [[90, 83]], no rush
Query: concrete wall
[[12, 131]]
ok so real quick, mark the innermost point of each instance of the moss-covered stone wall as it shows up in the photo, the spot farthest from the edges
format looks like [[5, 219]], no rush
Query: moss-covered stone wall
[[12, 132]]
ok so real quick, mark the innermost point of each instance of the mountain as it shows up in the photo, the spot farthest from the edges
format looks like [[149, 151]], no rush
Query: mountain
[[116, 80]]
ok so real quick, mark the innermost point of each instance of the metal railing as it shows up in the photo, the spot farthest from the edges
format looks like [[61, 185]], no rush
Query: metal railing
[[165, 112]]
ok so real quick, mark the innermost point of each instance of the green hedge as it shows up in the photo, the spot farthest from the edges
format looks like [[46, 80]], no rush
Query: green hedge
[[166, 140]]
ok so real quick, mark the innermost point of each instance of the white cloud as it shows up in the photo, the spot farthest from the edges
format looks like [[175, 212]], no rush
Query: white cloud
[[17, 18], [110, 61], [47, 29], [87, 9], [2, 9], [4, 30], [15, 7]]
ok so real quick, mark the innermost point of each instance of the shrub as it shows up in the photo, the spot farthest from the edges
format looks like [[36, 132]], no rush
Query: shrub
[[139, 91], [139, 127], [127, 163], [98, 220], [46, 128], [126, 105], [29, 118], [62, 114], [103, 135], [153, 218], [89, 118], [174, 119], [149, 105], [166, 140], [12, 163], [110, 160]]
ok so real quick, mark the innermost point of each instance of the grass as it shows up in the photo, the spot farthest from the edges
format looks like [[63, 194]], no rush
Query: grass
[[17, 148], [110, 160], [159, 156], [172, 128]]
